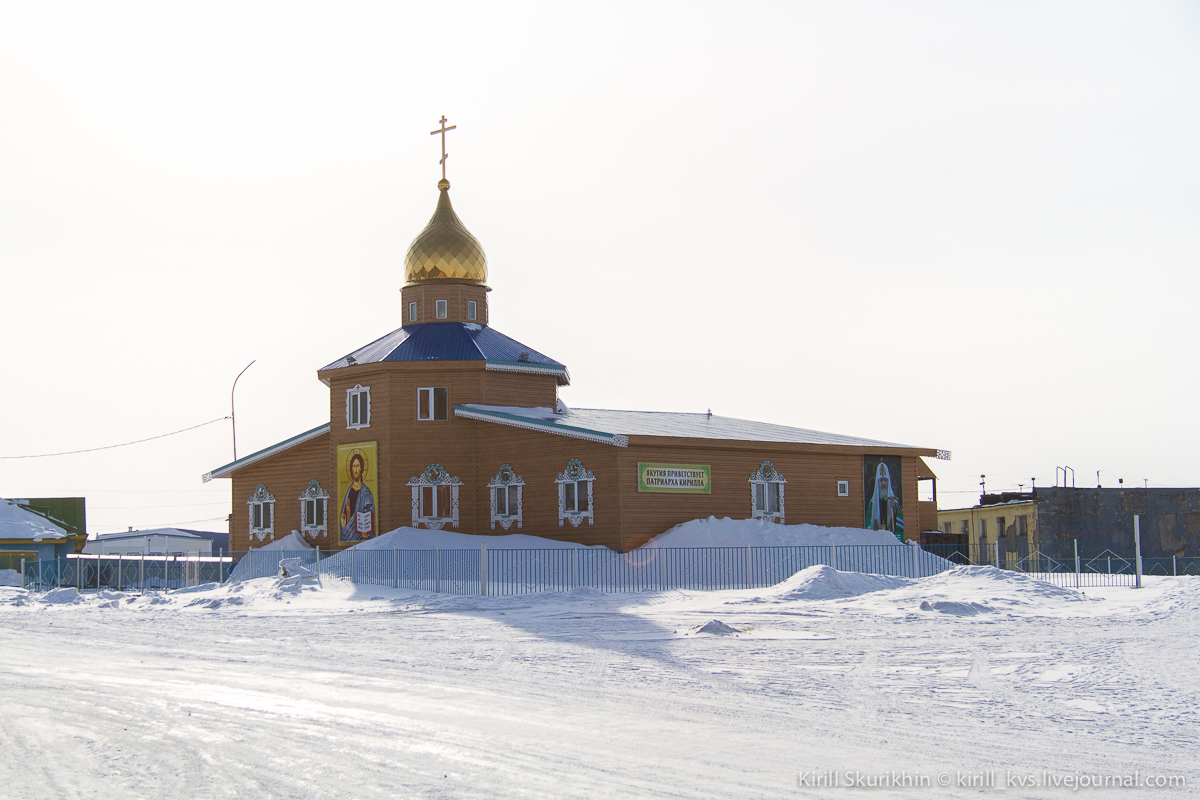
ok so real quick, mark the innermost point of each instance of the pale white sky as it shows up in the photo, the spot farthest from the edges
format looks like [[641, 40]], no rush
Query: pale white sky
[[964, 226]]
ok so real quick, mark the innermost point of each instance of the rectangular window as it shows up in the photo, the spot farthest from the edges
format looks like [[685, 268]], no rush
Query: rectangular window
[[966, 527], [432, 403], [999, 527], [358, 407], [471, 309], [435, 502], [412, 312], [1022, 525], [760, 497], [440, 309], [502, 501], [575, 499], [983, 530], [946, 528], [314, 513], [262, 516], [772, 498], [843, 488]]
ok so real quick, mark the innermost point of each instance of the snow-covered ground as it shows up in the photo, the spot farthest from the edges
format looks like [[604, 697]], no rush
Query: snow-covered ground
[[289, 688]]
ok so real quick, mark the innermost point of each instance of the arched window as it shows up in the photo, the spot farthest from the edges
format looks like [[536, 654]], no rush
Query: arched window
[[766, 493], [434, 498], [575, 495], [262, 513], [314, 510], [506, 489]]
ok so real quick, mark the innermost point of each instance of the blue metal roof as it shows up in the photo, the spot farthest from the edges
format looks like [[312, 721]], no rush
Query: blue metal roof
[[452, 341]]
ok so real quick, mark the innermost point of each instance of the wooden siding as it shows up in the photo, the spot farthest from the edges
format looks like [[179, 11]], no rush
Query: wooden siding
[[286, 476], [456, 296]]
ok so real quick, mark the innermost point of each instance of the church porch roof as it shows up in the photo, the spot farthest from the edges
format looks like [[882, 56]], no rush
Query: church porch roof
[[615, 427]]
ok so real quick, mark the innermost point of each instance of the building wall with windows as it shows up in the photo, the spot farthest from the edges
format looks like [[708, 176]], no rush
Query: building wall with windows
[[1012, 525], [444, 411]]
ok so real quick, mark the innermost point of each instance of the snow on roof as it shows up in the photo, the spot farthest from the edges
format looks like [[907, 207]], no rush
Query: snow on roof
[[615, 427], [20, 523]]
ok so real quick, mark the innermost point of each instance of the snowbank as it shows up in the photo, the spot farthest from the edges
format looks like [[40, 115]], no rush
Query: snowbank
[[406, 538], [293, 541], [726, 532], [10, 577], [826, 583]]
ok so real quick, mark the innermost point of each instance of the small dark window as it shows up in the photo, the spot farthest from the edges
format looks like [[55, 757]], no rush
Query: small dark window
[[432, 403]]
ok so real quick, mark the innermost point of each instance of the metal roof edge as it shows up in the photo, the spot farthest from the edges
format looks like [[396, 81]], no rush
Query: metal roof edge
[[224, 472], [530, 369], [603, 437]]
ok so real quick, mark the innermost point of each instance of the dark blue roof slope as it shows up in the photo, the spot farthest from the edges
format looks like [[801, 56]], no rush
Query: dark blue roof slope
[[454, 341]]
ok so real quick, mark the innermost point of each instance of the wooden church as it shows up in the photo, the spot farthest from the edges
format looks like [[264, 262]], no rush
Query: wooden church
[[446, 423]]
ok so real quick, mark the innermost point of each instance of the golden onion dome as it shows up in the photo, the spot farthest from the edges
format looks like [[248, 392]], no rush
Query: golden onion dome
[[445, 252]]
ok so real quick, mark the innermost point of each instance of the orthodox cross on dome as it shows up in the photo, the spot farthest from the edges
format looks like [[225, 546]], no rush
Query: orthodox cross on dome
[[442, 130]]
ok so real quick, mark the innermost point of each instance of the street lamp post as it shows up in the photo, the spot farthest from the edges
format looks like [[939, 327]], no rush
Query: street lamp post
[[232, 411]]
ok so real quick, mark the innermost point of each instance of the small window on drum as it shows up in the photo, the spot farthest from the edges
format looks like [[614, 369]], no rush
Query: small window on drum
[[440, 309], [471, 309], [412, 312]]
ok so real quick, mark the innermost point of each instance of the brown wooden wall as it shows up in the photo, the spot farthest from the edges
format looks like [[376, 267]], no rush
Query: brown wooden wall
[[456, 296], [285, 475], [473, 451]]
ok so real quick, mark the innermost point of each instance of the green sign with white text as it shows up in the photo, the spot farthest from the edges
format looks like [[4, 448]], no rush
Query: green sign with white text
[[675, 478]]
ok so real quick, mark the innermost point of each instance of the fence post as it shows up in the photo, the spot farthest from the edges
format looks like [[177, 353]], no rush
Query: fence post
[[1076, 563], [354, 565], [1174, 566], [1137, 550], [996, 551], [97, 573], [120, 567], [142, 572], [437, 569], [483, 568], [395, 568], [58, 562], [22, 572], [748, 586], [166, 569]]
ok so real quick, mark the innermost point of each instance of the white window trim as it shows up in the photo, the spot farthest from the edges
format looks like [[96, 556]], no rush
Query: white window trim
[[412, 311], [765, 475], [314, 492], [498, 483], [472, 309], [262, 497], [843, 488], [432, 407], [441, 309], [576, 474], [434, 475], [350, 395]]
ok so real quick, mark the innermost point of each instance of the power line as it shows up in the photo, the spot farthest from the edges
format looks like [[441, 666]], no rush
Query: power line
[[123, 444]]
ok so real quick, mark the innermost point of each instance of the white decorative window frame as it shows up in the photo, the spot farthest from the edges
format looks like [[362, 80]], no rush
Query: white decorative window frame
[[441, 309], [262, 497], [435, 475], [765, 476], [505, 478], [314, 492], [843, 488], [472, 309], [576, 474], [352, 395], [432, 403], [412, 311]]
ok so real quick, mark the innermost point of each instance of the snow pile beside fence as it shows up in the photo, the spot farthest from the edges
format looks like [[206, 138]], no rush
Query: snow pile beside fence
[[263, 562], [726, 532]]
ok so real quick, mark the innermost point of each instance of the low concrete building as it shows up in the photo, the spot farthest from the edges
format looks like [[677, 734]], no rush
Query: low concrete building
[[1053, 519], [156, 542]]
